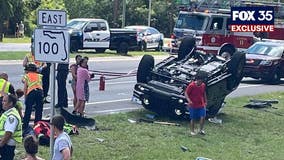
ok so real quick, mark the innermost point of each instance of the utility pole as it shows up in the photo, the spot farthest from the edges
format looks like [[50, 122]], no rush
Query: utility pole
[[149, 14], [123, 13]]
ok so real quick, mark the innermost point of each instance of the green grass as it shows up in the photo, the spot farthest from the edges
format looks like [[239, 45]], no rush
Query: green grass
[[245, 134], [19, 55], [17, 40]]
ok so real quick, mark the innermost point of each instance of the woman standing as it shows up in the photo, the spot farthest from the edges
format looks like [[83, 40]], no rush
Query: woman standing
[[73, 69], [83, 77]]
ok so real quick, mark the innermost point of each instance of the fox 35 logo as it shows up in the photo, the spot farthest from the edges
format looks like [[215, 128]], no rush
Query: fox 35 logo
[[252, 19]]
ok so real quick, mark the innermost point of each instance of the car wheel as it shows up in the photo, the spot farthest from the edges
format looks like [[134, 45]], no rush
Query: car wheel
[[213, 110], [74, 47], [275, 79], [100, 50], [227, 52], [235, 67], [144, 68], [123, 48], [143, 46], [186, 46], [160, 46]]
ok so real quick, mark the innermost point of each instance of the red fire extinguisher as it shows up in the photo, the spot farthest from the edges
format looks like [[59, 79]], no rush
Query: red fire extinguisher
[[102, 83]]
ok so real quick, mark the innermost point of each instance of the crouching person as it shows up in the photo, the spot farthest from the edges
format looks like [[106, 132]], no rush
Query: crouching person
[[10, 128]]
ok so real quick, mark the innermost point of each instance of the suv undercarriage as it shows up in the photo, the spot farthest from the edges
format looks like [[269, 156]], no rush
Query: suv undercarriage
[[161, 87]]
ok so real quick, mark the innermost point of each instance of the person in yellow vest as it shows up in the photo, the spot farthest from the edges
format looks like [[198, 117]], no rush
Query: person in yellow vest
[[5, 87], [10, 128], [33, 94], [42, 68]]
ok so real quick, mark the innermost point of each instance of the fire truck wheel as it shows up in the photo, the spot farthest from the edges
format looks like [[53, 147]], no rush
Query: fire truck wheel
[[227, 52], [145, 66], [235, 67], [187, 44]]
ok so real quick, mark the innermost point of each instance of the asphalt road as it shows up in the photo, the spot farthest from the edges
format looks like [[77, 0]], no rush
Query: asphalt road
[[118, 92], [11, 47]]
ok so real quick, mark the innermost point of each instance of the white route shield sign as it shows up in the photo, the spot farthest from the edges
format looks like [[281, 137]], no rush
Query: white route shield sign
[[51, 45]]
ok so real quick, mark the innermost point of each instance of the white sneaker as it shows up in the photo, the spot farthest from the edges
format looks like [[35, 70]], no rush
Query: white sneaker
[[202, 132], [192, 133]]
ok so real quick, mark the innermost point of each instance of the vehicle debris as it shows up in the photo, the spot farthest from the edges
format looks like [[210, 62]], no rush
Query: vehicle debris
[[152, 121], [184, 149], [100, 139], [259, 103], [215, 120]]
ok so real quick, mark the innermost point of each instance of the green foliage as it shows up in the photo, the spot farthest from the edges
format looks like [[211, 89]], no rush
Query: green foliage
[[162, 13]]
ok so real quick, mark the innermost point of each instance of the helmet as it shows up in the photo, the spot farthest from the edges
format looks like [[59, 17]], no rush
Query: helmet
[[31, 67]]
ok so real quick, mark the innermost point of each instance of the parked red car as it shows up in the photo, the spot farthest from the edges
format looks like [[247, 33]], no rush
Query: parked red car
[[265, 61]]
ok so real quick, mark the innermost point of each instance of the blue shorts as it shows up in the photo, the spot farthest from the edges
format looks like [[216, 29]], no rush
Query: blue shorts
[[197, 113]]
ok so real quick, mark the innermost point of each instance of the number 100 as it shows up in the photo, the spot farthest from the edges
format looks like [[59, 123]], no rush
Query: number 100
[[46, 48]]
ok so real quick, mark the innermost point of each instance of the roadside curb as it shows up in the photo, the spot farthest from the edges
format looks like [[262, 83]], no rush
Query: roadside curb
[[93, 59]]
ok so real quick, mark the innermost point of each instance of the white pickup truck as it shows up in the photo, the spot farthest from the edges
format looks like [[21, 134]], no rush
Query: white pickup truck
[[95, 34]]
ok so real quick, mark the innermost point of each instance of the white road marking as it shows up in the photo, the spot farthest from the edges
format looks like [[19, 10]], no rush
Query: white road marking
[[246, 86], [124, 82]]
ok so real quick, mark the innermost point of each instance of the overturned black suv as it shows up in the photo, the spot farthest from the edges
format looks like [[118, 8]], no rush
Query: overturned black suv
[[161, 87]]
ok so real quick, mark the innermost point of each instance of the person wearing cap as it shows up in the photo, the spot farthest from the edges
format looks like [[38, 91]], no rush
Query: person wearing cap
[[195, 94], [10, 128], [5, 88], [62, 146], [42, 68], [33, 94]]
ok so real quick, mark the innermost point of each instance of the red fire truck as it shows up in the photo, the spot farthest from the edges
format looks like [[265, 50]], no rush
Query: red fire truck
[[212, 32]]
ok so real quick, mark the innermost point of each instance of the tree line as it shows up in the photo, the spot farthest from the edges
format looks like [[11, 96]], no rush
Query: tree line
[[163, 12]]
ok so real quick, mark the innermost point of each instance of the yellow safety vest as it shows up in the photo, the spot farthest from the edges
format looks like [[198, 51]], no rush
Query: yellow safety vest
[[17, 135], [34, 80], [2, 85]]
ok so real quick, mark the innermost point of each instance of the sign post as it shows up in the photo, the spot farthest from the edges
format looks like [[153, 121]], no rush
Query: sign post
[[51, 45]]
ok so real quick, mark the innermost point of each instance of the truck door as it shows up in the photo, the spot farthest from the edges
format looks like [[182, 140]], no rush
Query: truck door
[[96, 35], [214, 36]]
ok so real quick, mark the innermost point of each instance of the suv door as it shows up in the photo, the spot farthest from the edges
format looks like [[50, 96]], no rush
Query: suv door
[[96, 35]]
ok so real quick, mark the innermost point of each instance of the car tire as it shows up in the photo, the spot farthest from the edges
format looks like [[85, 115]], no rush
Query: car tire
[[187, 44], [144, 68], [227, 52], [100, 50], [235, 67], [275, 79], [74, 47], [123, 48], [213, 110], [143, 46]]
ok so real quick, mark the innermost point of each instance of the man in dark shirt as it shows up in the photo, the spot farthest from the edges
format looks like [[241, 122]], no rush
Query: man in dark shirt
[[62, 73]]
